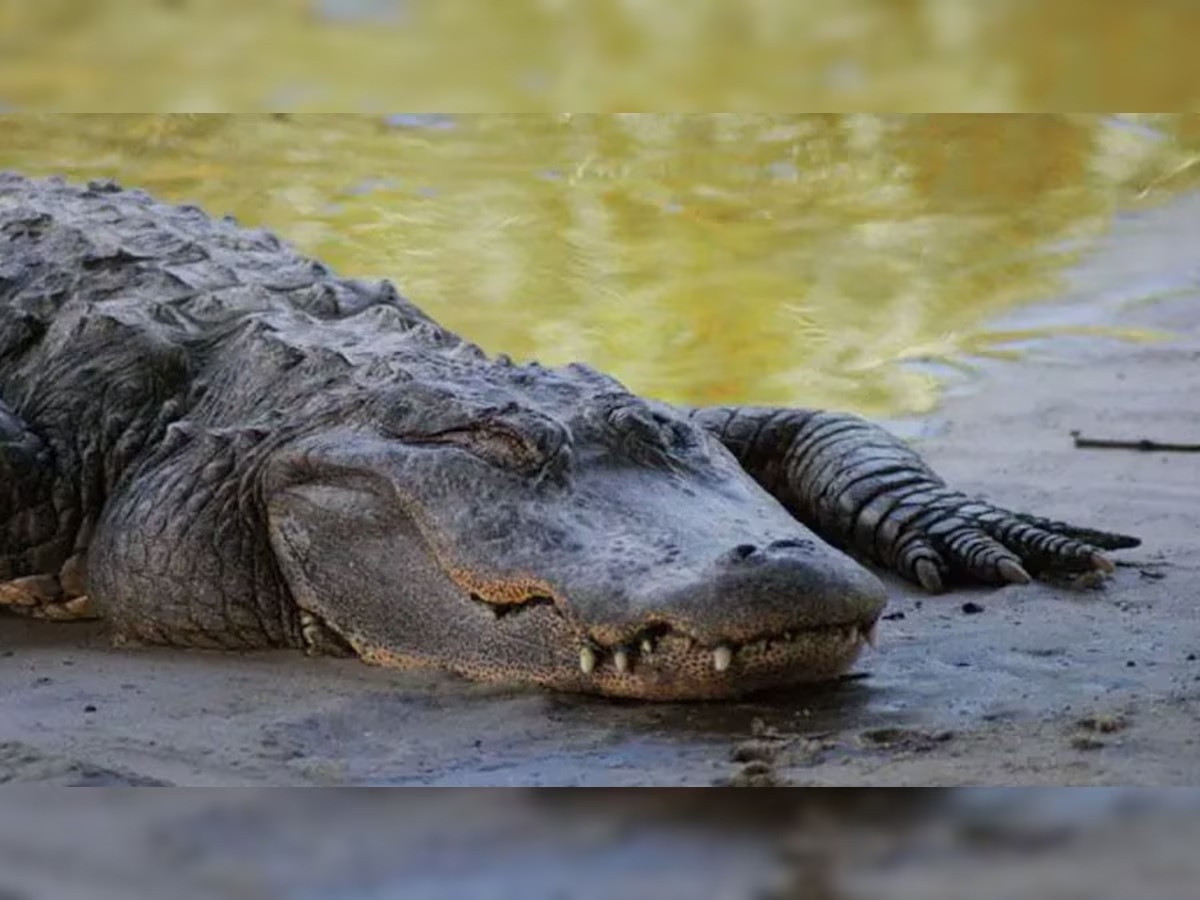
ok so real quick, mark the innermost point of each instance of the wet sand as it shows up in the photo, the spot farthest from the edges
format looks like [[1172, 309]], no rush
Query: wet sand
[[1041, 685]]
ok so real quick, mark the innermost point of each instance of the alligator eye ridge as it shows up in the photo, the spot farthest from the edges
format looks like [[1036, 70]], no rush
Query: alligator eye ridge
[[645, 435]]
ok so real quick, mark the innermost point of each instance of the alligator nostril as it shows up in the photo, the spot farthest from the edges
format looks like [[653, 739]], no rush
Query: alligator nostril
[[785, 543], [742, 551]]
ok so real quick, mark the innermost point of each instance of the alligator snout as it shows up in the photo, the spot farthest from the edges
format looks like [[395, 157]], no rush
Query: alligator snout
[[760, 614]]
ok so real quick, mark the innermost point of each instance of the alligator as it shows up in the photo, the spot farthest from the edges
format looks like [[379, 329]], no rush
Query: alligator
[[210, 440]]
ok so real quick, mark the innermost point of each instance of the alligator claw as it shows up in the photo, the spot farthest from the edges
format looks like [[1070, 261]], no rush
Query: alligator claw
[[927, 573], [1012, 572]]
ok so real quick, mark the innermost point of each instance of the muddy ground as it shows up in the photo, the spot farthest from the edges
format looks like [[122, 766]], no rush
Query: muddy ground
[[1023, 685]]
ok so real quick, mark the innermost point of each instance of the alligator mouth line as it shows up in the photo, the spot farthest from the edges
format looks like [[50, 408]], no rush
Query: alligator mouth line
[[650, 641]]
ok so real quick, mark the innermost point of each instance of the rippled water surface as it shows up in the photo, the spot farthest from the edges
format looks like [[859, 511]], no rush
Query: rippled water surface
[[705, 258]]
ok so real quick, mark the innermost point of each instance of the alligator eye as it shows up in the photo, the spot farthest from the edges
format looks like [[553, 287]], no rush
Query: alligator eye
[[508, 449], [497, 445]]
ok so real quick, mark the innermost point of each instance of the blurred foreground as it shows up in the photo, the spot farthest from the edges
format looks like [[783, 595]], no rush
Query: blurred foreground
[[724, 845]]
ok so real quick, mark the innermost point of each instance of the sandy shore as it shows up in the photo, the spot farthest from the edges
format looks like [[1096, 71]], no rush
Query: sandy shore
[[1044, 685]]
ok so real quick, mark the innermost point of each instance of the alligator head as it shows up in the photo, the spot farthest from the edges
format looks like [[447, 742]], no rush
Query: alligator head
[[549, 527]]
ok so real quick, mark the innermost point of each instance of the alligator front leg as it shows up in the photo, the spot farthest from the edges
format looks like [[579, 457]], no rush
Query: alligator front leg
[[865, 490], [40, 576]]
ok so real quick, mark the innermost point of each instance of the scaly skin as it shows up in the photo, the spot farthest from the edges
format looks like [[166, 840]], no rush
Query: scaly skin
[[209, 440]]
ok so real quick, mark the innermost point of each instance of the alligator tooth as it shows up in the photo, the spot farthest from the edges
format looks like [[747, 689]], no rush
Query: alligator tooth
[[722, 657], [871, 634], [587, 660], [647, 645], [621, 660]]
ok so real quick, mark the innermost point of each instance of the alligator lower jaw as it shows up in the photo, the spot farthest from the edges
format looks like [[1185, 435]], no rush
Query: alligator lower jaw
[[659, 663], [674, 666]]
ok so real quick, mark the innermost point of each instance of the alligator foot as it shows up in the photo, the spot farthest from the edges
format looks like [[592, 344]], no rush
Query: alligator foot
[[321, 640], [55, 597], [868, 492]]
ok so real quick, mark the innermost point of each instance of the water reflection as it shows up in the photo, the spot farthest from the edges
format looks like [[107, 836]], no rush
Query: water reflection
[[700, 258]]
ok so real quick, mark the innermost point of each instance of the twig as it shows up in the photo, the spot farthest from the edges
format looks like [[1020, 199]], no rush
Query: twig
[[1144, 444]]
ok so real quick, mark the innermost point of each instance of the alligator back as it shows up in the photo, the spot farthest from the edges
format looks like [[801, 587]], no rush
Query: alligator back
[[120, 314]]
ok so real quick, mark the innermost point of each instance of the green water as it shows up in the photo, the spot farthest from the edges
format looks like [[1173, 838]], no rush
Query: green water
[[700, 258]]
